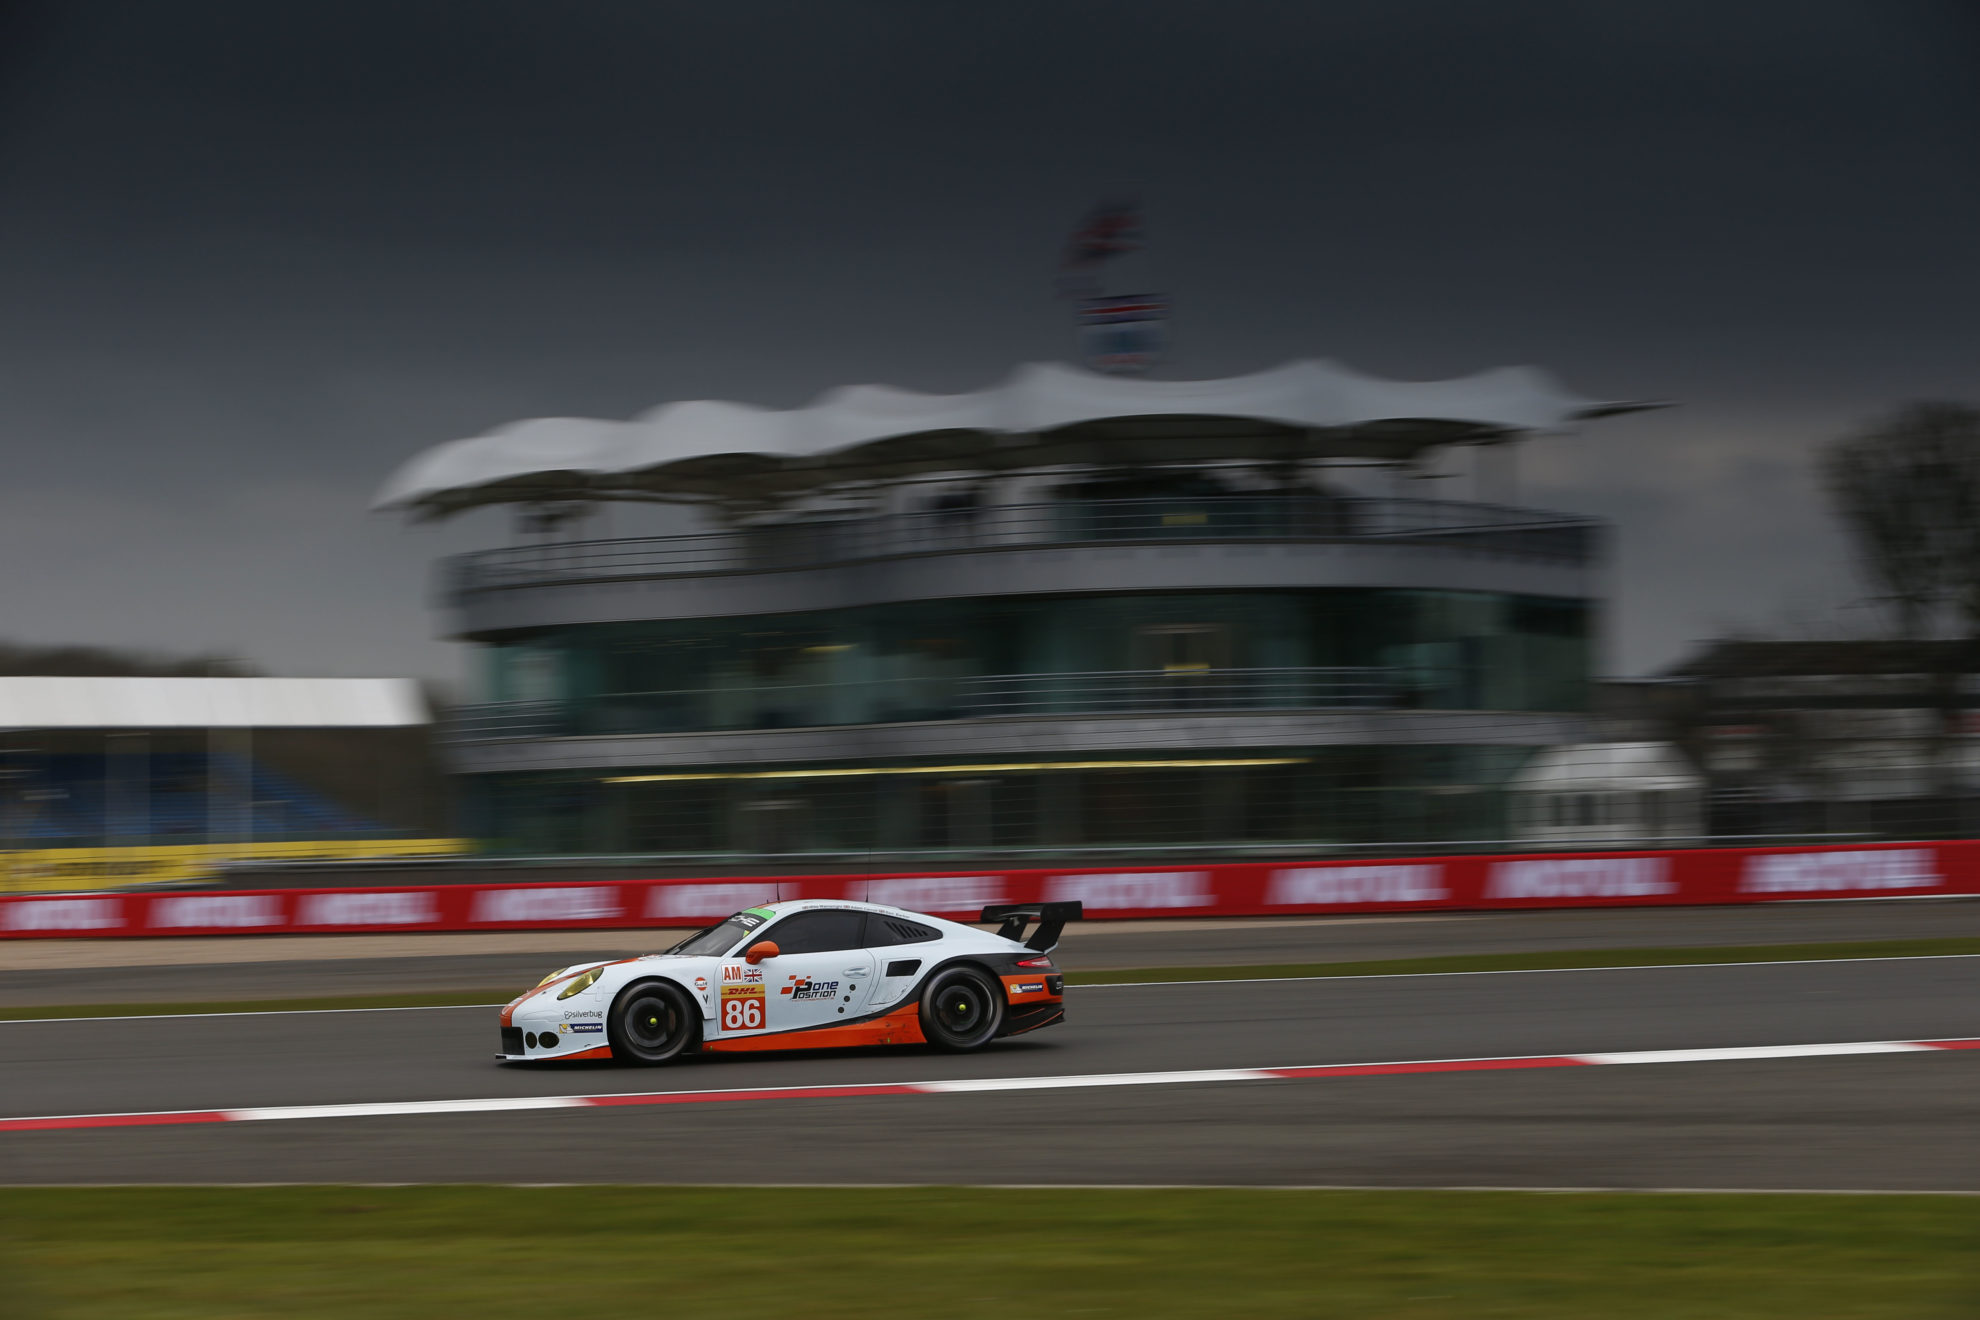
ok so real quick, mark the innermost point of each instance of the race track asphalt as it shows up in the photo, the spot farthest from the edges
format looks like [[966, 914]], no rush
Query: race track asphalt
[[1899, 1121]]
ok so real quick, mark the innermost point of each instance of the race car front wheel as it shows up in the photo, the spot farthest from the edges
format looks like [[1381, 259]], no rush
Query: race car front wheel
[[651, 1023], [961, 1009]]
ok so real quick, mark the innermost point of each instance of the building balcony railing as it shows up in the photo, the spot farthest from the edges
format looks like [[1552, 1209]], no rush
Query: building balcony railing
[[1133, 692], [1126, 692], [1478, 528]]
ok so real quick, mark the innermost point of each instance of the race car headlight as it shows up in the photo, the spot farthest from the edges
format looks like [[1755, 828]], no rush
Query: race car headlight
[[553, 976], [582, 984]]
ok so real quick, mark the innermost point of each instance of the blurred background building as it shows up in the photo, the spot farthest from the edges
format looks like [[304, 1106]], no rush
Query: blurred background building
[[1070, 617], [124, 779], [1067, 615], [1861, 738]]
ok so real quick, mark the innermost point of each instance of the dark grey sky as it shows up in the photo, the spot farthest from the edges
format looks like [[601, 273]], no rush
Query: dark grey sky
[[252, 256]]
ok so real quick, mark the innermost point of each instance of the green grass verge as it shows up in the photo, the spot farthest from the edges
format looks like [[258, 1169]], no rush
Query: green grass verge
[[1552, 960], [1549, 960], [494, 1252]]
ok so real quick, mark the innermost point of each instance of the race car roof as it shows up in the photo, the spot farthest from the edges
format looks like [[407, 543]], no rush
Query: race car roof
[[784, 906]]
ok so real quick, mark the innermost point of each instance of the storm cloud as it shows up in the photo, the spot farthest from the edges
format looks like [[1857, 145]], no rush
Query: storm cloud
[[253, 257]]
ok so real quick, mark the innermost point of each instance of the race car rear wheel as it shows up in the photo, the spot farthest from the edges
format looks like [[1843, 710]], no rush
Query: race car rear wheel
[[651, 1023], [961, 1009]]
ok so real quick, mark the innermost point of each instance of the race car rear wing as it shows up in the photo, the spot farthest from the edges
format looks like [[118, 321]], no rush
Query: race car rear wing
[[1051, 917]]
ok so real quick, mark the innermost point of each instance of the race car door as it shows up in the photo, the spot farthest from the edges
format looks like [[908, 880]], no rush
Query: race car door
[[821, 975]]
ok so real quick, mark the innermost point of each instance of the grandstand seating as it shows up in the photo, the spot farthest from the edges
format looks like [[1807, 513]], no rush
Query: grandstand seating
[[67, 799]]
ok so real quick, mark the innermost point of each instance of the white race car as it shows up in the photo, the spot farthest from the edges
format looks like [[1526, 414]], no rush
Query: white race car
[[803, 975]]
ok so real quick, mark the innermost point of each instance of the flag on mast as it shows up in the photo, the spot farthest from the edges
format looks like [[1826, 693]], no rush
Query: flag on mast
[[1121, 334], [1110, 230]]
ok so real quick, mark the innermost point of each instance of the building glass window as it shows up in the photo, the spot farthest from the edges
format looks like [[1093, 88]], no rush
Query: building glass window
[[941, 660]]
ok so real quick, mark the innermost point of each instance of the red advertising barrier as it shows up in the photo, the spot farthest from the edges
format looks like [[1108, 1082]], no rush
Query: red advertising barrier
[[1234, 889]]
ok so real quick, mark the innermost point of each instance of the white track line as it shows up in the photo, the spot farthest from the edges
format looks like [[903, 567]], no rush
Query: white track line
[[1096, 1079], [1754, 1052], [1536, 1190], [1100, 985], [402, 1108], [864, 1090]]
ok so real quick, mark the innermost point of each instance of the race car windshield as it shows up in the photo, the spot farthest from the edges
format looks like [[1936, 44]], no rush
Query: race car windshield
[[719, 938]]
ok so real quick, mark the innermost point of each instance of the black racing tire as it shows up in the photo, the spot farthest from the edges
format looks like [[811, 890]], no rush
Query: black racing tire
[[962, 1008], [652, 1022]]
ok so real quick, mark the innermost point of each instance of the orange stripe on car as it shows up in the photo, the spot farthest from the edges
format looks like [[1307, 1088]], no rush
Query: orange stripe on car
[[900, 1027]]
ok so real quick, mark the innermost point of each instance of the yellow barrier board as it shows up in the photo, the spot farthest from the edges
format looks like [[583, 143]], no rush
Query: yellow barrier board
[[34, 870]]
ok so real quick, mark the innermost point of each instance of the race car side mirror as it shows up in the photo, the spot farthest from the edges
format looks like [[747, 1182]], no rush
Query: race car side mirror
[[761, 950]]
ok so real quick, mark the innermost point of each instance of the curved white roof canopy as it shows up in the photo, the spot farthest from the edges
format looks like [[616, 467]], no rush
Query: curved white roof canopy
[[1045, 413]]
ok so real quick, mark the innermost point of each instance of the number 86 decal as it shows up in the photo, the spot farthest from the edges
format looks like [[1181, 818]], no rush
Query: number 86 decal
[[742, 1007]]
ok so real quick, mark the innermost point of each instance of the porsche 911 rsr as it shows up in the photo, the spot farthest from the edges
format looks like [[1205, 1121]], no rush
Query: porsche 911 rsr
[[803, 975]]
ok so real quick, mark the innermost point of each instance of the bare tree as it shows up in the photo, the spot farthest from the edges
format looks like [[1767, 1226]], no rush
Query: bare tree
[[1908, 489], [107, 662]]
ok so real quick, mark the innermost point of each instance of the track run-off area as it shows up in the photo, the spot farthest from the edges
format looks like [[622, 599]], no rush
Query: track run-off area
[[1816, 1075]]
